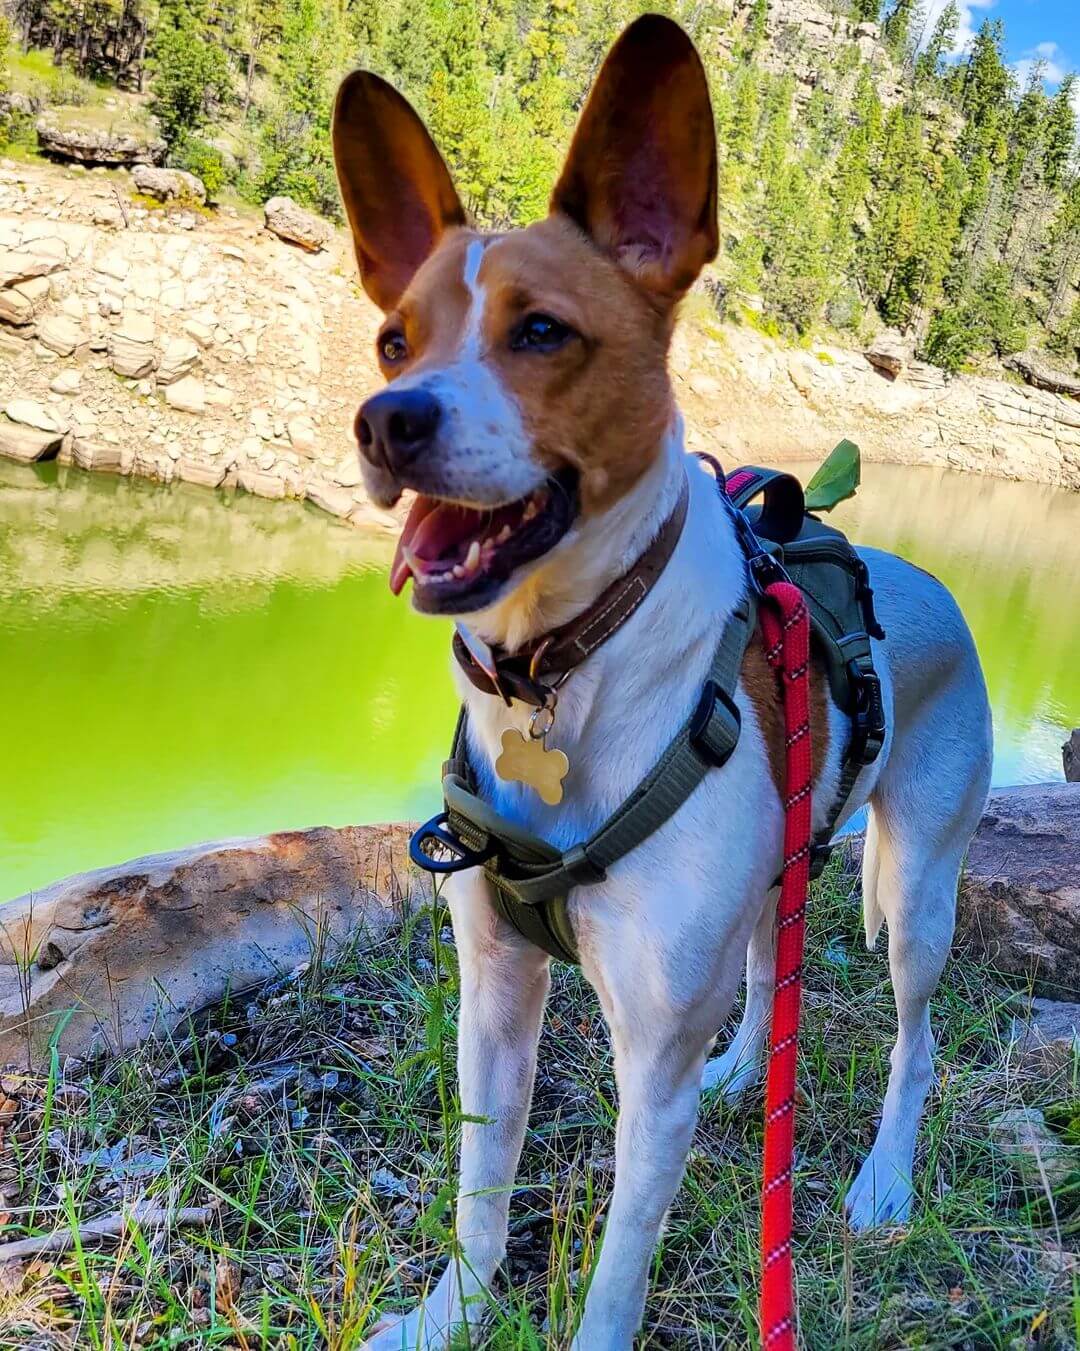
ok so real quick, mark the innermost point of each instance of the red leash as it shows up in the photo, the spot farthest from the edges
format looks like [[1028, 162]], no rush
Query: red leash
[[785, 626]]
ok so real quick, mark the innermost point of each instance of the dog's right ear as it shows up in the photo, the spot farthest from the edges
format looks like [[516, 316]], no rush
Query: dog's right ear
[[397, 191]]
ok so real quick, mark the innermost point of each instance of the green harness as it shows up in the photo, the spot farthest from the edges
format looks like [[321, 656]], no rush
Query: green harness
[[532, 879]]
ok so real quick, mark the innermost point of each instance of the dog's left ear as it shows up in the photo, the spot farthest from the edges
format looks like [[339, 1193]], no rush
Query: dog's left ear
[[640, 178]]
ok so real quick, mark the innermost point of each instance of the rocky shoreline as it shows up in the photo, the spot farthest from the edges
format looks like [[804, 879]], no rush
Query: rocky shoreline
[[136, 948], [177, 343]]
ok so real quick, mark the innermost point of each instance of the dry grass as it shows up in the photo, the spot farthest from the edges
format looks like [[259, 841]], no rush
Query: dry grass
[[317, 1119]]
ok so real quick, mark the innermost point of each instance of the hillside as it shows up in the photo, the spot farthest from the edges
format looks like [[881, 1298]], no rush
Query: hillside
[[868, 179], [175, 343]]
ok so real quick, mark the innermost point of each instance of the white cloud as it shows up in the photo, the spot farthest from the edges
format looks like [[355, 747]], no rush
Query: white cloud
[[1056, 64], [969, 21]]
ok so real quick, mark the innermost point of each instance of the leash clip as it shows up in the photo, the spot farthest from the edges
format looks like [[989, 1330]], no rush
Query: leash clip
[[437, 835]]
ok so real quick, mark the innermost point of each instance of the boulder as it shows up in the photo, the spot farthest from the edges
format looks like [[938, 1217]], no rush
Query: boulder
[[90, 146], [62, 335], [1041, 373], [260, 484], [28, 444], [131, 347], [289, 221], [17, 265], [301, 432], [31, 413], [97, 456], [1038, 1157], [15, 307], [67, 382], [207, 474], [1048, 1024], [178, 357], [131, 950], [188, 395], [1070, 757], [168, 185], [1019, 905], [889, 352]]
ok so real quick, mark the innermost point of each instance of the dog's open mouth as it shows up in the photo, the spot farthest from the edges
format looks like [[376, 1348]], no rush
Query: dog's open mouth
[[459, 557]]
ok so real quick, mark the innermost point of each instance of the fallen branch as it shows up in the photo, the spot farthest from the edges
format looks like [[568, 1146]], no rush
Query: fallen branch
[[120, 204], [108, 1227]]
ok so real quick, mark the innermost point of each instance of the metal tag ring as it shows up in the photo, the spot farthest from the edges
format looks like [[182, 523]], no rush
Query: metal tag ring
[[541, 722]]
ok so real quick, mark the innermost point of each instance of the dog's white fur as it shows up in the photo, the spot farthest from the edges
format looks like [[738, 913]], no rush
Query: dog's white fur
[[662, 940]]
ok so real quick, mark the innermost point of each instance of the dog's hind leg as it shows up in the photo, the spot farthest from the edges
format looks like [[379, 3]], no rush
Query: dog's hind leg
[[918, 842], [740, 1065]]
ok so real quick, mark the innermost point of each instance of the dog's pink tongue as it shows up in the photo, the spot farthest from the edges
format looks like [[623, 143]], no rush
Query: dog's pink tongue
[[431, 531]]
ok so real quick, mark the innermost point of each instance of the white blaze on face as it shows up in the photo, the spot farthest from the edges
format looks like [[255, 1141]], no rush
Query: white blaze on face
[[484, 452]]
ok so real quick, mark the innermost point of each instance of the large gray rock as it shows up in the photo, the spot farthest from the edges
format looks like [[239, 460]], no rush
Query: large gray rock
[[289, 221], [27, 444], [1039, 371], [1070, 757], [90, 146], [130, 951], [168, 185], [889, 352], [131, 347], [1019, 906]]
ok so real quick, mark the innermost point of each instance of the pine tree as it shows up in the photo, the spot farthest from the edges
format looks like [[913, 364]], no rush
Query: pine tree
[[942, 41], [1059, 139]]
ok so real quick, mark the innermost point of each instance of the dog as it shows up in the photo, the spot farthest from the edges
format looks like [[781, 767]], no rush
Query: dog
[[530, 408]]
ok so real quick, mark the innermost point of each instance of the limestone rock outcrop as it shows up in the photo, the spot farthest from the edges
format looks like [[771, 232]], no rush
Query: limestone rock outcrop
[[131, 950], [89, 145]]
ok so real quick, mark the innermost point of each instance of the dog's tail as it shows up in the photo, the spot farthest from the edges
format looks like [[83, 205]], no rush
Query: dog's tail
[[873, 917]]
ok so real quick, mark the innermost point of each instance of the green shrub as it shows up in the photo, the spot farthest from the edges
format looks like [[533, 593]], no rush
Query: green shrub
[[203, 160], [951, 339]]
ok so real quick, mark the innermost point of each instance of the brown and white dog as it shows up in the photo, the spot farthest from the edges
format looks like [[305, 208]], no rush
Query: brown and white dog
[[531, 410]]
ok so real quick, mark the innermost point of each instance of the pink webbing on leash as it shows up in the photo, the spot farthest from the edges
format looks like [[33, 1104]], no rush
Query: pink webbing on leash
[[785, 626]]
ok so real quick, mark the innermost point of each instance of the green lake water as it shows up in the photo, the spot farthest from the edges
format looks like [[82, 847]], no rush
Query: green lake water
[[180, 667]]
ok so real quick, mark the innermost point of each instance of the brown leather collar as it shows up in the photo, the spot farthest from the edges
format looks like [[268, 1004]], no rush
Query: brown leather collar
[[538, 669]]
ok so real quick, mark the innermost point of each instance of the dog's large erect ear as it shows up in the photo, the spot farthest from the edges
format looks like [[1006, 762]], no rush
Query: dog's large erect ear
[[640, 178], [398, 194]]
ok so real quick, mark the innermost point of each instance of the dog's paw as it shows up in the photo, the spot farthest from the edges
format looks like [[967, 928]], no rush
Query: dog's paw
[[416, 1331], [732, 1073], [880, 1195]]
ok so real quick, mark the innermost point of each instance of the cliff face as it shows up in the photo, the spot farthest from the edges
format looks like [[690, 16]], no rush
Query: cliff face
[[176, 344]]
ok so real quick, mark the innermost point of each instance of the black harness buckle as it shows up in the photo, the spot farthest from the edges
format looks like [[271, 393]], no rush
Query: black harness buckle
[[867, 714], [715, 725], [436, 836]]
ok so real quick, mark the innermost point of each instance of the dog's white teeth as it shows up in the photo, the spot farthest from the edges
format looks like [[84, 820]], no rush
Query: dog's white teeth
[[530, 511], [503, 535], [458, 571], [472, 558]]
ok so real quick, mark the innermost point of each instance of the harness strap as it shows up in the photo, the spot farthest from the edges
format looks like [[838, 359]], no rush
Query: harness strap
[[531, 877]]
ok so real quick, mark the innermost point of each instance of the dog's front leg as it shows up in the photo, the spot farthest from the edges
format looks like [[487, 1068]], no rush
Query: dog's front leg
[[659, 1087], [504, 985]]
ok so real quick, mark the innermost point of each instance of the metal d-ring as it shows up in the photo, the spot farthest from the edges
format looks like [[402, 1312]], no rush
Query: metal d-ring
[[543, 719]]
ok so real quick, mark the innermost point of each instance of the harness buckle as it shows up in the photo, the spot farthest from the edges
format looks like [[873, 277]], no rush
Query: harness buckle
[[819, 859], [435, 836], [715, 725], [867, 715]]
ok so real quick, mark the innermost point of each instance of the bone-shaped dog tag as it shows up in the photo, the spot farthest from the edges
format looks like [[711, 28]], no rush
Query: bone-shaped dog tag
[[527, 760]]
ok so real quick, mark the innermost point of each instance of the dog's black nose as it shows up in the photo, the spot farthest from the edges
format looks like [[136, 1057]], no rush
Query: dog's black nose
[[395, 426]]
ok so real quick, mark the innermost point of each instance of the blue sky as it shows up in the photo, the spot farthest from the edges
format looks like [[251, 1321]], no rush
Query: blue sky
[[1034, 29]]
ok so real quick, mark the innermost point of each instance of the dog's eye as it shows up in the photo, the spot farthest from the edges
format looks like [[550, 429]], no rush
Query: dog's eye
[[392, 347], [540, 333]]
